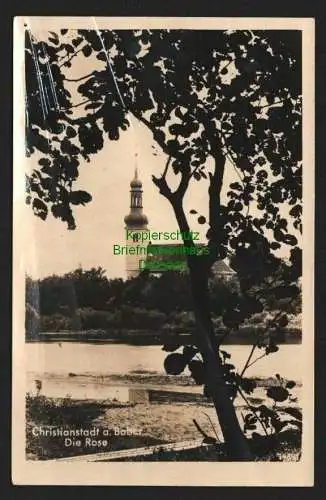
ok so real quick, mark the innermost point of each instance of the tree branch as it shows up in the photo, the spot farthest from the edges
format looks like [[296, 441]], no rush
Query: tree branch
[[257, 359], [273, 104], [79, 79], [71, 57], [260, 337], [80, 104], [163, 187], [176, 203], [183, 185], [83, 119], [214, 192], [148, 124], [166, 166]]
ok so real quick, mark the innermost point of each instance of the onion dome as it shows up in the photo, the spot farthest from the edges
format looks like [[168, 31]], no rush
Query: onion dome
[[136, 219]]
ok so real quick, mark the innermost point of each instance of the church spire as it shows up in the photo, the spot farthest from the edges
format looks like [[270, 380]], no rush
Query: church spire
[[136, 216]]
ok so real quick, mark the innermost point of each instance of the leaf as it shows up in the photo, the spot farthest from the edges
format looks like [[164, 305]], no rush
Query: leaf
[[76, 41], [290, 384], [69, 48], [265, 412], [45, 162], [79, 197], [40, 209], [55, 38], [236, 186], [63, 32], [289, 239], [68, 147], [271, 348], [294, 412], [102, 56], [87, 50], [249, 427], [248, 385], [250, 418], [170, 347], [225, 355], [71, 132], [238, 206], [192, 211], [279, 394], [296, 211]]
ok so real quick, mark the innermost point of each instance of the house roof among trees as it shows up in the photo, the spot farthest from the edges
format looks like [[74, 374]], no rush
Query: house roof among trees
[[175, 253], [221, 267]]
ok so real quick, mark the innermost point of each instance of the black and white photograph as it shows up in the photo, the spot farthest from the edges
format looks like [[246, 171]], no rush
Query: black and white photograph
[[163, 325]]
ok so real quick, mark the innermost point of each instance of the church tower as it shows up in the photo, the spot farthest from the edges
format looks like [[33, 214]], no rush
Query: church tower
[[136, 224]]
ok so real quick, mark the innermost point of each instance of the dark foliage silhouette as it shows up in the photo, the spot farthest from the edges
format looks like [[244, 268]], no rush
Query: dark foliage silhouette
[[233, 97]]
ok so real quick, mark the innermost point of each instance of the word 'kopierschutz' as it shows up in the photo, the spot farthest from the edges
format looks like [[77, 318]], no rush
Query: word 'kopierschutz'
[[142, 236]]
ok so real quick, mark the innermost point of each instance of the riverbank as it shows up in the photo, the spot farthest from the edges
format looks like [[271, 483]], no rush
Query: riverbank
[[108, 426]]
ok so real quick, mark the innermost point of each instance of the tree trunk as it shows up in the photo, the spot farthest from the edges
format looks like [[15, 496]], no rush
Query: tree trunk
[[236, 443]]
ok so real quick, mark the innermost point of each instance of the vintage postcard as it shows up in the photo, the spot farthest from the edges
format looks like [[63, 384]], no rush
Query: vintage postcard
[[163, 322]]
